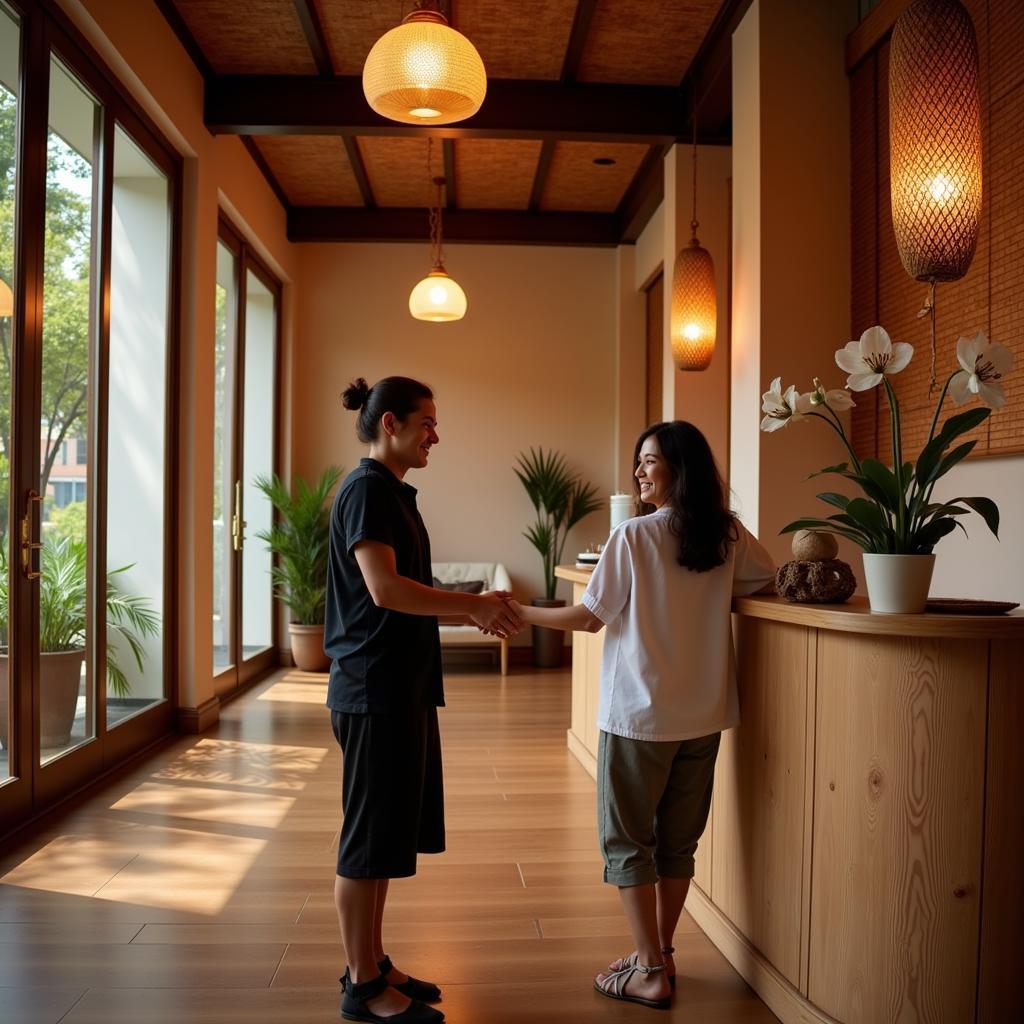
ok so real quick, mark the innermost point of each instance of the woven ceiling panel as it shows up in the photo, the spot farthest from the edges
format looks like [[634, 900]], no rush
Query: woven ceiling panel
[[313, 170], [257, 37], [492, 174], [353, 26], [575, 182], [645, 43], [524, 39], [397, 170]]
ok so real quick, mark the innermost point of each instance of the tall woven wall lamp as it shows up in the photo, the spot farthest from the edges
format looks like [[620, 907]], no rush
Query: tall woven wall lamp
[[694, 320], [935, 166], [438, 298], [423, 71]]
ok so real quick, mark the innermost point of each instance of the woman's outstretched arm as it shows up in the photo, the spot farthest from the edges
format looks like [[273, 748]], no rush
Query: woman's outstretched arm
[[575, 618]]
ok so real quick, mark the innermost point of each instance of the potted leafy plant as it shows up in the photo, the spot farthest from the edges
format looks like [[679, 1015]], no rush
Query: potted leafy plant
[[299, 540], [896, 522], [62, 635], [561, 499]]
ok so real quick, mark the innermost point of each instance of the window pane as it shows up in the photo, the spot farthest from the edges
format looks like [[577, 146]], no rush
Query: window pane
[[139, 294], [9, 49], [67, 708], [223, 439], [258, 460]]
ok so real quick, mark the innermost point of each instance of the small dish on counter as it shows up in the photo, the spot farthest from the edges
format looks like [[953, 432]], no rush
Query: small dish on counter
[[968, 606]]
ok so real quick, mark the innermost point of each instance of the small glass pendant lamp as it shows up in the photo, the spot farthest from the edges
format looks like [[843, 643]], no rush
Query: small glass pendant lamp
[[423, 71], [694, 320], [438, 298]]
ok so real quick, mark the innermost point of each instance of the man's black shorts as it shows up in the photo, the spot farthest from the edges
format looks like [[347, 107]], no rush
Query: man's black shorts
[[392, 793]]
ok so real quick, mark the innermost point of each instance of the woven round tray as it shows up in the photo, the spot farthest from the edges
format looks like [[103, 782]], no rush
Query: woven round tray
[[968, 606]]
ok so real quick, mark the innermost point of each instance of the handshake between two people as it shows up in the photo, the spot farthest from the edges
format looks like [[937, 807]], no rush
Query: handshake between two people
[[499, 614]]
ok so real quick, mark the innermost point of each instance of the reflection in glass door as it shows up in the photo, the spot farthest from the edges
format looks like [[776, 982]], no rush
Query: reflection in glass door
[[10, 38], [60, 507], [247, 314]]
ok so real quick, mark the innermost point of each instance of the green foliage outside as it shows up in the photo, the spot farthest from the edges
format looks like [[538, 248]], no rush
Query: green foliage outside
[[71, 522], [299, 541]]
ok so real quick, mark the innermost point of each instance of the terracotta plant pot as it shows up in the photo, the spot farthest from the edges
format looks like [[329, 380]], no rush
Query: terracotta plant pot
[[60, 680], [548, 644], [308, 647]]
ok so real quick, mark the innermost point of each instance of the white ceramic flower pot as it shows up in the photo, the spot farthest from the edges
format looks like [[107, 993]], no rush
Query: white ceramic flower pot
[[898, 583]]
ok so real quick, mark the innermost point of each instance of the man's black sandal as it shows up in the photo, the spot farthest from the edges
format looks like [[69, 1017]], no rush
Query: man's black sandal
[[353, 1004], [414, 988]]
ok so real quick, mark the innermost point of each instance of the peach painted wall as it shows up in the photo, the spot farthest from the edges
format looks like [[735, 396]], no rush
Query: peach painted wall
[[140, 48], [532, 364]]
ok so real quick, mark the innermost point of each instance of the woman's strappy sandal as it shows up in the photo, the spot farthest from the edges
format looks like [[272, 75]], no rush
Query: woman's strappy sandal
[[414, 988], [355, 998], [614, 984], [668, 951]]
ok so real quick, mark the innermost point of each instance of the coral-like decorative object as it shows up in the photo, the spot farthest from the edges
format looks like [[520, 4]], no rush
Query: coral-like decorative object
[[829, 581], [814, 546]]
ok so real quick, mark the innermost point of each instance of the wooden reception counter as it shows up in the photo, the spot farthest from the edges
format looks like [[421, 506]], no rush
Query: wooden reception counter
[[863, 861]]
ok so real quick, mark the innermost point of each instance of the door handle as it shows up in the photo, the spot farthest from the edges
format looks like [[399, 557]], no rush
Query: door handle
[[28, 545], [238, 524]]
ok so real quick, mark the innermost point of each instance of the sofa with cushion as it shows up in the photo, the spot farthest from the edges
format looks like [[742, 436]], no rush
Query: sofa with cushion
[[474, 578]]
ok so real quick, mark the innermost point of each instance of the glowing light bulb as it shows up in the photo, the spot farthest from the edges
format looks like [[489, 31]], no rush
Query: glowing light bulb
[[691, 332], [942, 188], [438, 295]]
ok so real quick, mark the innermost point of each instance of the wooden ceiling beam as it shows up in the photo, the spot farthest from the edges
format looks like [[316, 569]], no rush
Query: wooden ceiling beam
[[514, 109], [645, 192], [540, 176], [504, 227], [578, 39], [315, 38], [261, 163], [355, 159], [173, 18]]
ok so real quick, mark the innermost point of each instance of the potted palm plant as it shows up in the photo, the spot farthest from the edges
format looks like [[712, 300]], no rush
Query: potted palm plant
[[62, 635], [299, 542], [561, 499]]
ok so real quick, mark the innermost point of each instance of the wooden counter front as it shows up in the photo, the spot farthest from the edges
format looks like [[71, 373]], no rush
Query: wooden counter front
[[862, 861]]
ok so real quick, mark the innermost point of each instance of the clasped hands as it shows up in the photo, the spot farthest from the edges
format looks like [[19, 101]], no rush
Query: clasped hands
[[498, 614]]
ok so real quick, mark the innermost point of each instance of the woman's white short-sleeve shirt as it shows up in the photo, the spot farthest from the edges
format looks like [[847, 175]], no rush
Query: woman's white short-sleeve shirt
[[668, 671]]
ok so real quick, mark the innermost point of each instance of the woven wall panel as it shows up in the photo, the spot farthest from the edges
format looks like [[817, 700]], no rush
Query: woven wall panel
[[645, 43], [575, 182], [493, 174], [313, 170], [523, 39], [397, 170], [988, 298], [257, 37]]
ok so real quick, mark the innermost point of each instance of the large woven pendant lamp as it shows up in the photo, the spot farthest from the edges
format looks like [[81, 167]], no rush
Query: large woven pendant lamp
[[423, 71], [438, 298], [694, 320], [935, 167]]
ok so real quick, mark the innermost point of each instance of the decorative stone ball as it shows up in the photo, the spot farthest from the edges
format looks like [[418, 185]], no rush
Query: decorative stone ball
[[826, 582], [814, 546]]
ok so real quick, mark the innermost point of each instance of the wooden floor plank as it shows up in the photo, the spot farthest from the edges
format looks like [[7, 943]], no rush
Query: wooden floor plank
[[199, 887]]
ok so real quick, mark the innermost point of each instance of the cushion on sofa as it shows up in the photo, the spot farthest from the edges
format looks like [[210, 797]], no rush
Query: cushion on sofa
[[461, 586]]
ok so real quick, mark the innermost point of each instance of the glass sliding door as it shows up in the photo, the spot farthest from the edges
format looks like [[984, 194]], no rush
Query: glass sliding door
[[67, 703], [137, 386], [89, 201], [245, 403], [10, 40]]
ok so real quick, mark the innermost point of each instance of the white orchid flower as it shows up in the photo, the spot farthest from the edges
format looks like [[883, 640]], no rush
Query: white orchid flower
[[837, 399], [983, 363], [780, 408], [871, 358]]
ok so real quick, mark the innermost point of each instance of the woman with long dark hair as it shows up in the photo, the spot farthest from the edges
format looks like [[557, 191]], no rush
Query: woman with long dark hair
[[663, 587], [385, 687]]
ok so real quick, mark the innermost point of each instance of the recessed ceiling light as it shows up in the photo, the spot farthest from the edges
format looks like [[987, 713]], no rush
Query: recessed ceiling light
[[603, 161]]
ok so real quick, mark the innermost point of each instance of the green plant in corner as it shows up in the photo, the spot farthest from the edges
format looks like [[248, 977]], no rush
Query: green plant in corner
[[561, 499], [299, 541], [62, 609]]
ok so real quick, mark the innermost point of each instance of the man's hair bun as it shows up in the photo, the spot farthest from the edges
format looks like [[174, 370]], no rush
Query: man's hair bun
[[355, 395]]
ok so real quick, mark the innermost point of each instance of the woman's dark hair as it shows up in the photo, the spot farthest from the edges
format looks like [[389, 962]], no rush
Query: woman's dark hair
[[701, 519], [397, 395]]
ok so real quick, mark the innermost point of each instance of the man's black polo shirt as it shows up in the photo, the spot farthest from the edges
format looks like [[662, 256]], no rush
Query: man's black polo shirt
[[382, 661]]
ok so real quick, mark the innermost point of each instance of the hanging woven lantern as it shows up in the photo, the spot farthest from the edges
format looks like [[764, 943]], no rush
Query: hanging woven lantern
[[935, 139], [424, 72], [694, 312]]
